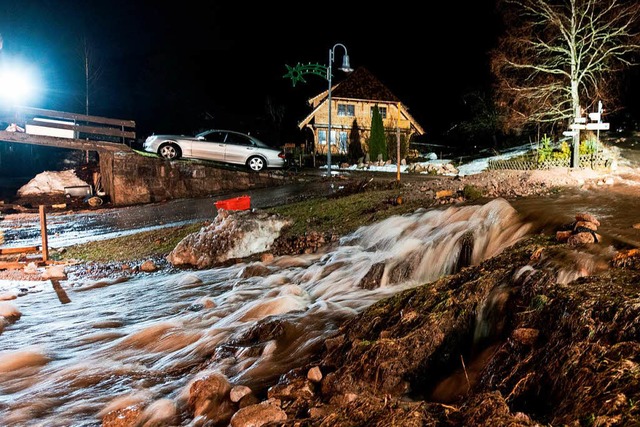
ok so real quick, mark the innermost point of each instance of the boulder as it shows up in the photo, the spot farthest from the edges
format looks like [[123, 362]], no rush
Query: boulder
[[232, 235]]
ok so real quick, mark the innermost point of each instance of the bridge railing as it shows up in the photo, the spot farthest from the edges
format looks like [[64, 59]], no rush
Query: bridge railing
[[39, 121]]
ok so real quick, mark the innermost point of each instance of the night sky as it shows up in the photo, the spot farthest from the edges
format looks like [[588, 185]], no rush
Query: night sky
[[171, 67], [185, 66]]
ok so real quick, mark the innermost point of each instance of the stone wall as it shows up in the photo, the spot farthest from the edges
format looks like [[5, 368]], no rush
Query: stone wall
[[129, 178]]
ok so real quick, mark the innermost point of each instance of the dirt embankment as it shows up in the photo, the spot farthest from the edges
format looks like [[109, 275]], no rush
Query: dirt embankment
[[553, 355]]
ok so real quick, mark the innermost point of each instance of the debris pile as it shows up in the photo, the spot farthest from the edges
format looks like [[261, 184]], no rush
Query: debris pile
[[581, 231]]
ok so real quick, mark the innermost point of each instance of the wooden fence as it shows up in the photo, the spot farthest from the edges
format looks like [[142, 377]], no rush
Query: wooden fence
[[585, 161], [70, 125]]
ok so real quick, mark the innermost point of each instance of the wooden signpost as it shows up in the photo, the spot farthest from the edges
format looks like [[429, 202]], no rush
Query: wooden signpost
[[43, 232], [580, 123]]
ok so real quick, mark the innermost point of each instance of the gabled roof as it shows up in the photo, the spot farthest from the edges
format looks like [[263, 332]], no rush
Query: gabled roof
[[361, 84]]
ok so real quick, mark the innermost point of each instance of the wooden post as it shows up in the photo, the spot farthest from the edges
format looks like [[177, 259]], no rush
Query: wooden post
[[398, 144], [43, 232], [62, 295]]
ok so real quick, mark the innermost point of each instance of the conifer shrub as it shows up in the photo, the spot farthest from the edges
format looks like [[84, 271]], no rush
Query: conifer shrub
[[377, 139]]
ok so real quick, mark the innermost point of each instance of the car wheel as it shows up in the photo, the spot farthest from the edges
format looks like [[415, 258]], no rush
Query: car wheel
[[256, 164], [169, 151]]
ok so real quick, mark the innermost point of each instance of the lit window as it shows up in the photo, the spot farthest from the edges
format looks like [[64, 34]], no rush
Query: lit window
[[322, 137], [343, 142], [382, 110], [346, 110]]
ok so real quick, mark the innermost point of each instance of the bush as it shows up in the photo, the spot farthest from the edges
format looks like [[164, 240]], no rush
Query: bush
[[377, 138], [471, 192], [546, 150], [588, 147]]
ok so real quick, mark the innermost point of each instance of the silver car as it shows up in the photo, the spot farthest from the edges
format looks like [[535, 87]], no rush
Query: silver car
[[218, 145]]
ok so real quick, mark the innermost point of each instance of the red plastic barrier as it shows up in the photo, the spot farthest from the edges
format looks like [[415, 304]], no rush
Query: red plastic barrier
[[241, 203]]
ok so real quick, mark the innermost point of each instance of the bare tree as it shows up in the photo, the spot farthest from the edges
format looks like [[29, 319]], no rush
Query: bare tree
[[92, 71], [276, 113], [557, 56]]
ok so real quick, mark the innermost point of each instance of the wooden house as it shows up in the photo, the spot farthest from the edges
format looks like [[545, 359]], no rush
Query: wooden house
[[354, 99]]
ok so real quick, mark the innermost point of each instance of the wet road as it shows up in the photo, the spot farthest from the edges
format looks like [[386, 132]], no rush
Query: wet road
[[615, 206], [66, 229]]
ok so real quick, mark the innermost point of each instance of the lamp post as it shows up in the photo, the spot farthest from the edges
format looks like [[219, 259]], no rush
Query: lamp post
[[346, 67]]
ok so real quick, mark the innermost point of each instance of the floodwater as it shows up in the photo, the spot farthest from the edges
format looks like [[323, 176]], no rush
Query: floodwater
[[615, 206], [111, 343], [68, 358]]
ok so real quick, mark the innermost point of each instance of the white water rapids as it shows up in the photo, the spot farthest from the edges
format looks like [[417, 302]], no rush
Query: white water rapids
[[148, 338]]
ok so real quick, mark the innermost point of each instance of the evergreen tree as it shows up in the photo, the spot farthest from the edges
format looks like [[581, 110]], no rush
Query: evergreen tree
[[355, 146], [377, 139]]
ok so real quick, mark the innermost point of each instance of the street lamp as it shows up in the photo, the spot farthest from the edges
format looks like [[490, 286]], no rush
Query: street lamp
[[347, 69]]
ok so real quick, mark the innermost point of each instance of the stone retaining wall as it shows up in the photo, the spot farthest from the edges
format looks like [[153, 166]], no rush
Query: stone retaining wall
[[130, 178]]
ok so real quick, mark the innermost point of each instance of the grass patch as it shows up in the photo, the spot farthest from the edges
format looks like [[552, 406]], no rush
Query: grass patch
[[145, 153], [145, 244], [471, 192], [334, 215], [345, 214]]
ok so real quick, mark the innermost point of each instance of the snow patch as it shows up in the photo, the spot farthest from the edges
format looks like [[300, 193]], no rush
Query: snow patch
[[49, 182]]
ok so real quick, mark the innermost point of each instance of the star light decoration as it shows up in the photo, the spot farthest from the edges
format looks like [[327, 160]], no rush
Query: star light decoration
[[297, 72]]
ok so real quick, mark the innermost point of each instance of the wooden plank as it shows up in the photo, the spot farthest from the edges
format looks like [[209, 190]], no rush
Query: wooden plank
[[62, 295], [43, 232], [73, 116], [92, 130], [23, 250], [52, 141], [11, 265]]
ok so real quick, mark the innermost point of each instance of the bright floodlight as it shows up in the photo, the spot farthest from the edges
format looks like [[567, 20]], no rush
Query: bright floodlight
[[16, 85]]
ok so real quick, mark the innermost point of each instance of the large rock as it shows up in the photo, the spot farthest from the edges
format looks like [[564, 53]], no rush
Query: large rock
[[209, 398], [232, 235], [258, 415], [51, 183]]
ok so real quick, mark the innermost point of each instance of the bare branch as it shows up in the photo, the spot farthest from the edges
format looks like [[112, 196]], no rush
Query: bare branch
[[559, 55]]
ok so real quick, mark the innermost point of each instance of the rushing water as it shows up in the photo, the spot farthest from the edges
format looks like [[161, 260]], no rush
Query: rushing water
[[71, 353], [66, 361]]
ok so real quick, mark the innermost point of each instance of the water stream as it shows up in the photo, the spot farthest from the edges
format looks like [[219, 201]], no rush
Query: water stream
[[147, 339], [72, 351]]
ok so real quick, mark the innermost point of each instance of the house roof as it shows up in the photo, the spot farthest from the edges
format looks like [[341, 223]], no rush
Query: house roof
[[361, 84]]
